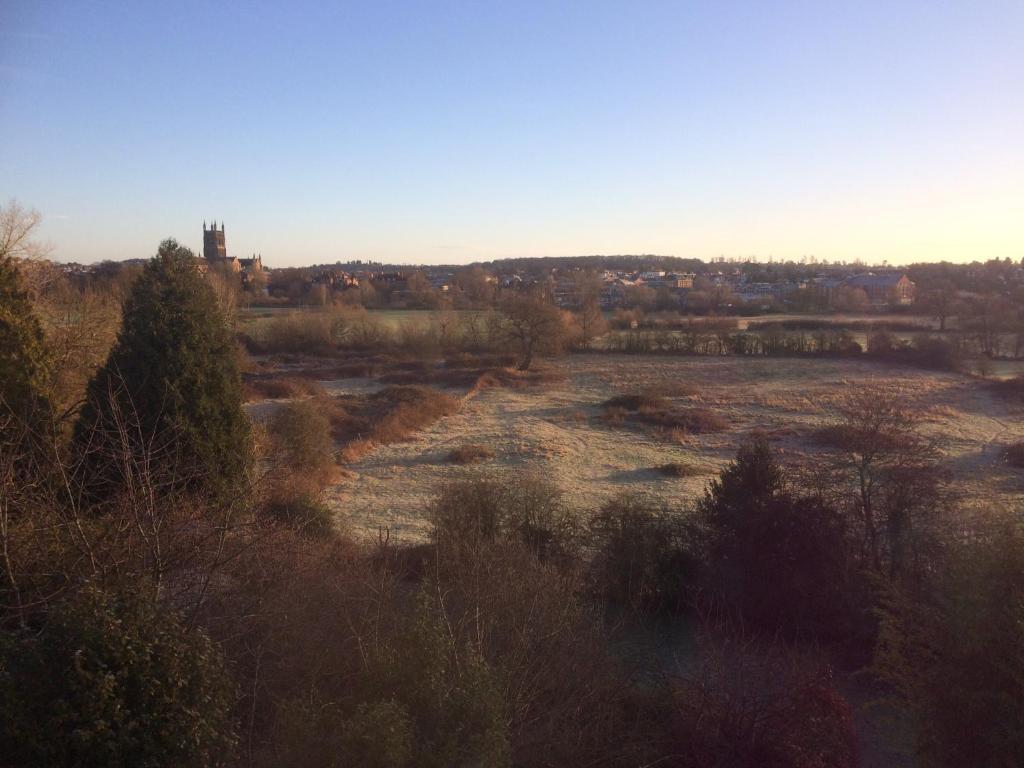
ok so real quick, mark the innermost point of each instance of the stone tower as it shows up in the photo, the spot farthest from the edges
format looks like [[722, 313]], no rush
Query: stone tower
[[213, 242]]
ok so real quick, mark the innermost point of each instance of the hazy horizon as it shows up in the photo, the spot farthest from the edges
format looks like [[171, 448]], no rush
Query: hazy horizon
[[449, 133]]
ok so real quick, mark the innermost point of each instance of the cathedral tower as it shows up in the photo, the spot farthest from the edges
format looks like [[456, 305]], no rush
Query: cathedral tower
[[213, 242]]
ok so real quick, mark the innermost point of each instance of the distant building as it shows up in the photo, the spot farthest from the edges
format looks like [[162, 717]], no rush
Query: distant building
[[886, 289], [215, 252], [214, 248]]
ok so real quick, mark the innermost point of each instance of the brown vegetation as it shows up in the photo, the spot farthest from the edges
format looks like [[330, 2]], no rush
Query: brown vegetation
[[470, 454], [658, 411], [676, 469], [360, 422], [279, 387]]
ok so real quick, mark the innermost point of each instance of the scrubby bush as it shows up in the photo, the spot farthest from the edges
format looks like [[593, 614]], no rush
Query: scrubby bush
[[294, 332], [659, 411], [388, 416], [676, 469], [112, 680], [423, 699], [938, 352], [696, 421], [303, 511], [301, 434], [641, 557], [470, 454], [530, 511]]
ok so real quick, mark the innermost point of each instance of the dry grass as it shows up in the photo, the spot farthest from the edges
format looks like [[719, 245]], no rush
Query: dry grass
[[634, 402], [677, 469], [277, 387], [673, 389], [510, 378], [470, 454], [788, 401], [697, 421], [361, 422], [658, 411]]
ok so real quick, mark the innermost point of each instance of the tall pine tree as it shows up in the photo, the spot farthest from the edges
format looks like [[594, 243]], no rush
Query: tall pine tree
[[170, 392]]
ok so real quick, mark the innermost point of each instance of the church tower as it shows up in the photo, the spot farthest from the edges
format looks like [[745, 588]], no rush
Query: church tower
[[213, 242]]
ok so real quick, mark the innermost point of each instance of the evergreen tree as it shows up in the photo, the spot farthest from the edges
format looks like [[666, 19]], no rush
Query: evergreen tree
[[779, 559], [112, 679], [170, 390], [24, 408]]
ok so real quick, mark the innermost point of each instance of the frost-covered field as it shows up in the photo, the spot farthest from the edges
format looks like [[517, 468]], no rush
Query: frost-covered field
[[557, 431]]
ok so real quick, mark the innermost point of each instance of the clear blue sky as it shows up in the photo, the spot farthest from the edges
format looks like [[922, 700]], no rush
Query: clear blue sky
[[453, 131]]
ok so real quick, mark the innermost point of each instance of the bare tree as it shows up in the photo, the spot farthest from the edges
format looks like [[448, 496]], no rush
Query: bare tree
[[889, 465], [535, 327], [942, 302], [17, 226], [587, 288]]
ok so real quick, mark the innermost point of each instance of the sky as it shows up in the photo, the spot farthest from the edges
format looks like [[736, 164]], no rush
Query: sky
[[451, 132]]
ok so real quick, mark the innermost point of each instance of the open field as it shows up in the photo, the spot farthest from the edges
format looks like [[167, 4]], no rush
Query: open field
[[558, 430]]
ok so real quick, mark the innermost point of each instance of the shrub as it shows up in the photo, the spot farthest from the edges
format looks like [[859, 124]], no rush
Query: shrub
[[689, 420], [641, 558], [112, 680], [408, 409], [654, 409], [419, 697], [676, 469], [305, 332], [470, 454], [301, 433], [305, 512], [388, 416], [937, 352], [529, 510]]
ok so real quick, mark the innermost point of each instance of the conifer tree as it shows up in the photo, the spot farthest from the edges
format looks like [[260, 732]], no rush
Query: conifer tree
[[170, 391], [24, 408]]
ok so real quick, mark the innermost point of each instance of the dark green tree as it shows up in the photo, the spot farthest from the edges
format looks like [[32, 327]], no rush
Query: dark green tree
[[168, 401], [778, 559], [112, 680], [25, 412]]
